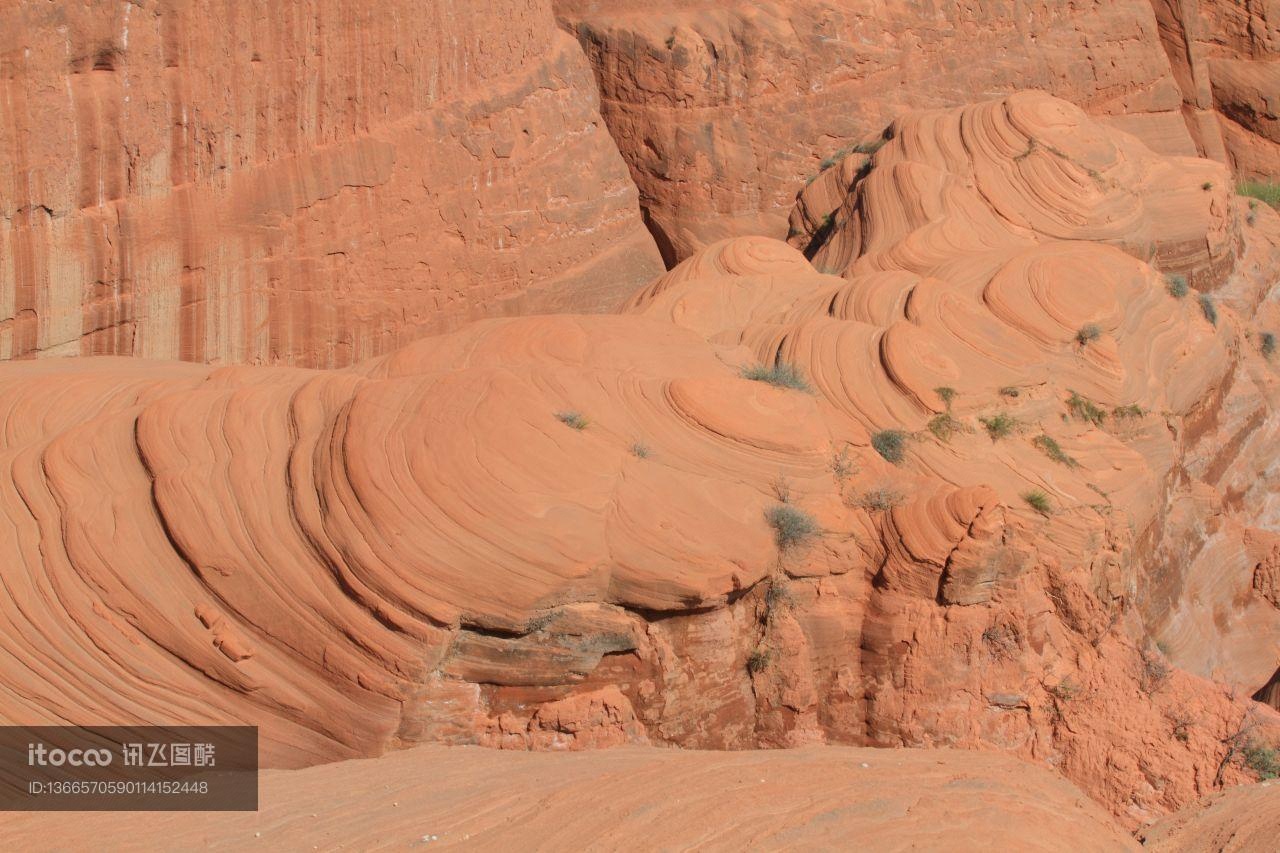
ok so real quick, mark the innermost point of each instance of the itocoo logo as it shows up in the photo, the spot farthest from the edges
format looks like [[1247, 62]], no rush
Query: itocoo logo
[[38, 755]]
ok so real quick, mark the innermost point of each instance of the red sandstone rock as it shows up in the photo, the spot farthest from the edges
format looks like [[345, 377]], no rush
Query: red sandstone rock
[[555, 532], [1241, 43], [310, 183], [1240, 820], [812, 799], [724, 110]]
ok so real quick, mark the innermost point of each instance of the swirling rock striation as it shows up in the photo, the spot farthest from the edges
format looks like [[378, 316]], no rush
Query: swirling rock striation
[[950, 518], [722, 110]]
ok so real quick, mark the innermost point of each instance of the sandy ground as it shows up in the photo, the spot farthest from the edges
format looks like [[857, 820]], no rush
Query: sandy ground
[[624, 799]]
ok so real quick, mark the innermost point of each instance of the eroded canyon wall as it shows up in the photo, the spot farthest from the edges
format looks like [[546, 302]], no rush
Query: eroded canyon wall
[[1240, 43], [312, 183], [723, 110]]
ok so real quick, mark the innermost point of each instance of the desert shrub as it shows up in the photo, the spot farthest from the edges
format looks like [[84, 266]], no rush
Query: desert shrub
[[1182, 722], [791, 527], [1267, 344], [1125, 412], [1065, 690], [867, 148], [944, 426], [1038, 501], [946, 395], [778, 597], [640, 450], [841, 465], [828, 162], [871, 147], [1154, 672], [891, 444], [572, 419], [1210, 310], [1085, 409], [671, 42], [999, 426], [1262, 760], [758, 661], [1054, 450], [781, 488], [1009, 391], [881, 499], [1088, 333], [1206, 186], [1267, 192], [781, 374], [1176, 284]]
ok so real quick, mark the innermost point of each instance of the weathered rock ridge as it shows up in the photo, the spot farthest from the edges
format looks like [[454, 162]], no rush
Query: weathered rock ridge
[[1016, 501], [723, 109], [312, 183]]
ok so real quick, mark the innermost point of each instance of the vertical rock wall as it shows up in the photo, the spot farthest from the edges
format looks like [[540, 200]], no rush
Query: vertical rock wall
[[311, 183]]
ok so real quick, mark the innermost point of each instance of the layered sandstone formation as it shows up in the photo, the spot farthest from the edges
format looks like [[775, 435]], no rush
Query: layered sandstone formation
[[723, 110], [1002, 196], [311, 183], [1239, 54], [627, 799], [1004, 480]]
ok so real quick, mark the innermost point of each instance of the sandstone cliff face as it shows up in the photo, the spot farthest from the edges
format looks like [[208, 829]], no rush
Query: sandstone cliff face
[[723, 110], [1239, 48], [310, 183], [977, 526]]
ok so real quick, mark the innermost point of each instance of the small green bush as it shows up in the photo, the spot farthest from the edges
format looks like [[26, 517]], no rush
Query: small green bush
[[1206, 186], [758, 661], [944, 426], [1125, 412], [1085, 409], [1054, 450], [791, 527], [1210, 310], [640, 450], [882, 499], [1088, 333], [572, 419], [871, 147], [1267, 344], [1009, 391], [781, 374], [891, 444], [671, 42], [1262, 760], [1038, 501], [1065, 690], [946, 395], [778, 597], [1176, 284], [1267, 192], [999, 426]]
